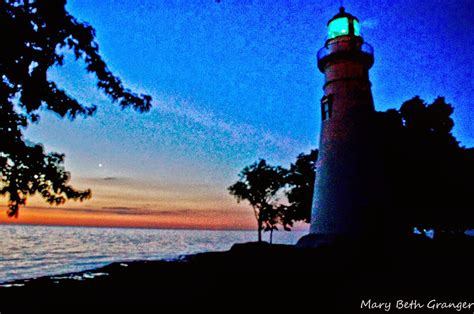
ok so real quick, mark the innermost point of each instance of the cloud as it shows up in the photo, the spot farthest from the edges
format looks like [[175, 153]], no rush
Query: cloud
[[179, 212], [110, 178], [100, 180], [123, 210], [109, 210], [139, 211], [236, 132], [114, 210], [143, 184], [370, 23]]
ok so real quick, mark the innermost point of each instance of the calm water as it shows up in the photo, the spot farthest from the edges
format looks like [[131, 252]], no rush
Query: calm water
[[33, 251]]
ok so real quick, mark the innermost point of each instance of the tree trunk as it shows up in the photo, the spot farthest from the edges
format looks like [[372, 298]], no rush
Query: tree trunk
[[271, 236], [259, 231]]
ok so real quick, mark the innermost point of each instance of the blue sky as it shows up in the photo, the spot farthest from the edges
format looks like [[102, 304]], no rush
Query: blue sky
[[234, 81]]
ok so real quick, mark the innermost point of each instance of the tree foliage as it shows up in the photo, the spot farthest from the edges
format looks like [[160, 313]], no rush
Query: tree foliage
[[300, 189], [259, 184], [35, 36], [429, 173], [263, 186]]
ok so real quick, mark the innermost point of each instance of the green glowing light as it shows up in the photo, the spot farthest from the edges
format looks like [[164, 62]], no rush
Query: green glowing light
[[356, 27], [338, 27]]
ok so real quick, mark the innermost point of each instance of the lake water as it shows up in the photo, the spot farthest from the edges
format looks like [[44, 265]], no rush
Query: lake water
[[34, 251]]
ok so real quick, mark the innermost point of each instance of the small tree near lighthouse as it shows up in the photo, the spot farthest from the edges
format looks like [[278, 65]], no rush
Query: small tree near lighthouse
[[259, 184]]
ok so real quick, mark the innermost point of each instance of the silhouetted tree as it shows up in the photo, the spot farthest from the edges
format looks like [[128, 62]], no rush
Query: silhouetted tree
[[271, 217], [427, 170], [259, 184], [35, 35], [300, 187]]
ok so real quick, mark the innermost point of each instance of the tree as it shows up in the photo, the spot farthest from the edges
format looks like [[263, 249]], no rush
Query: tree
[[300, 189], [259, 184], [35, 35], [427, 170], [271, 217]]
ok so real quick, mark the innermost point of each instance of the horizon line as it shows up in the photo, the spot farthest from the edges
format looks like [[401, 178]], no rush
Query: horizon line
[[138, 227]]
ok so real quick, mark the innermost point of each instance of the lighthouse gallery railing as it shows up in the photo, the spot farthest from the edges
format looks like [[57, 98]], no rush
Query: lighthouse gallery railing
[[353, 48]]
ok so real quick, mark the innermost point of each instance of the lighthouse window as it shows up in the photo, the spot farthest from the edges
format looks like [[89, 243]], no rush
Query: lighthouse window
[[338, 27], [326, 107], [356, 27]]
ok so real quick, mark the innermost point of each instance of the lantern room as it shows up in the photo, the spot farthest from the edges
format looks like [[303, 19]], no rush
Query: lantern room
[[344, 42], [343, 24]]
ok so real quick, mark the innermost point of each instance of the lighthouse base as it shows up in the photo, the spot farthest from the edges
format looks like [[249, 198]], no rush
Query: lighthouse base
[[315, 240]]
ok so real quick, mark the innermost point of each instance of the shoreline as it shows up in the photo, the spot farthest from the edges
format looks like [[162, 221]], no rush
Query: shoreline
[[47, 251], [22, 281], [334, 279], [89, 272]]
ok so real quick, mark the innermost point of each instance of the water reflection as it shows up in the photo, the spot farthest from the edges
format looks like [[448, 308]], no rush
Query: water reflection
[[33, 251]]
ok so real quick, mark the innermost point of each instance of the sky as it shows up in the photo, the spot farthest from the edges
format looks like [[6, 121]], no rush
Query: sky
[[232, 81]]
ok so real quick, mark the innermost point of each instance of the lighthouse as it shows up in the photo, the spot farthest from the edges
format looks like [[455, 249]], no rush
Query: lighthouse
[[348, 187]]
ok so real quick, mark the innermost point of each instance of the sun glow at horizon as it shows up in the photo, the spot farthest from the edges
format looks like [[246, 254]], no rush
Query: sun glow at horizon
[[164, 219]]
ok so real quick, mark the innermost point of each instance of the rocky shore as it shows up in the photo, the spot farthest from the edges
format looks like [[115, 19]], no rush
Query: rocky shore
[[324, 280]]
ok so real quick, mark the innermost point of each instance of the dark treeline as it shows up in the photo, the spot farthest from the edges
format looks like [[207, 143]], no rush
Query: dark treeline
[[428, 175]]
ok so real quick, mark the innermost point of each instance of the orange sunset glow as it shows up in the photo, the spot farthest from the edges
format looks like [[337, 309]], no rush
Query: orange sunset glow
[[172, 219], [139, 204]]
